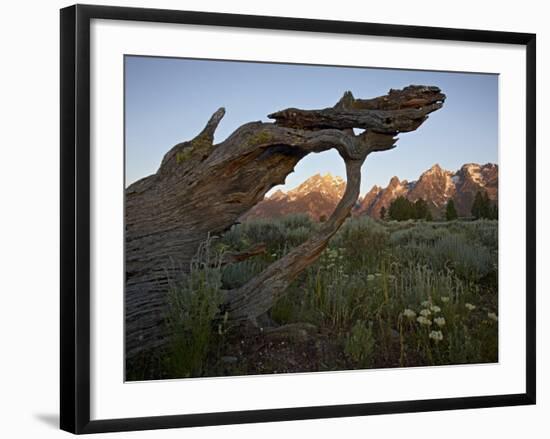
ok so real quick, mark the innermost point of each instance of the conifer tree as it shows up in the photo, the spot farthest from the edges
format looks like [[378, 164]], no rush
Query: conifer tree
[[401, 209], [486, 206], [482, 207], [420, 209], [450, 211], [494, 212], [477, 206]]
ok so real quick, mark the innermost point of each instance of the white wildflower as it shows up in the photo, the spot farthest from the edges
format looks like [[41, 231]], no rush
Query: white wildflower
[[425, 312], [378, 274], [470, 307], [424, 321], [444, 299], [440, 321], [435, 309], [370, 277], [436, 335], [409, 313], [492, 316], [426, 303]]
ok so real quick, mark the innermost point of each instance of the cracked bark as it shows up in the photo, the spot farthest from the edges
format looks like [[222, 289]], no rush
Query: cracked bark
[[202, 188]]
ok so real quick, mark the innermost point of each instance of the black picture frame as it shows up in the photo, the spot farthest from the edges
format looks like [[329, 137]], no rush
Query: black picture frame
[[75, 217]]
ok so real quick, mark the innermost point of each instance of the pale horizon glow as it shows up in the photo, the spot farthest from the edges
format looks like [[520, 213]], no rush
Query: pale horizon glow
[[169, 100]]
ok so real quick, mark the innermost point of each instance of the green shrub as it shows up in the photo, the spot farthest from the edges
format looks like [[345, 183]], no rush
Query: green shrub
[[468, 259], [360, 344], [236, 275], [278, 234], [485, 232], [363, 241], [193, 305], [421, 233], [296, 220]]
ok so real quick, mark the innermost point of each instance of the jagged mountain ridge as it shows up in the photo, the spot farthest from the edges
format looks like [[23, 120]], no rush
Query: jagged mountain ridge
[[318, 195], [437, 186]]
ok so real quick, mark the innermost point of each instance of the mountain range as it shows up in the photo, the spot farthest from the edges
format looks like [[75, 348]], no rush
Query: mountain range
[[319, 194]]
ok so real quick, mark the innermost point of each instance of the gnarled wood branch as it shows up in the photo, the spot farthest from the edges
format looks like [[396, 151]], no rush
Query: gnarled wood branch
[[260, 294], [202, 188], [400, 111]]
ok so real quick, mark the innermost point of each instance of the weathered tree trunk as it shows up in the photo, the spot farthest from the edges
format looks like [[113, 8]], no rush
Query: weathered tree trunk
[[202, 188]]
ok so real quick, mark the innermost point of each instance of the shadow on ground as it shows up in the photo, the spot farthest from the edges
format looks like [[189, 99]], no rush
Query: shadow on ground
[[50, 419]]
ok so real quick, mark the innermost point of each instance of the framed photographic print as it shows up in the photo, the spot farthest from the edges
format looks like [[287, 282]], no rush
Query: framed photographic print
[[268, 218]]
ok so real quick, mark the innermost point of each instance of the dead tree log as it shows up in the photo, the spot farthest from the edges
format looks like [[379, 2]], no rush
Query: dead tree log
[[202, 188]]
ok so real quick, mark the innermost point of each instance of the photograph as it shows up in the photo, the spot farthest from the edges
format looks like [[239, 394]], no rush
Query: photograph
[[263, 220], [293, 218]]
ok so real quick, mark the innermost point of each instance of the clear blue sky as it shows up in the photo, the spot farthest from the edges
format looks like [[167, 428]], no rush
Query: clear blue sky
[[168, 100]]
